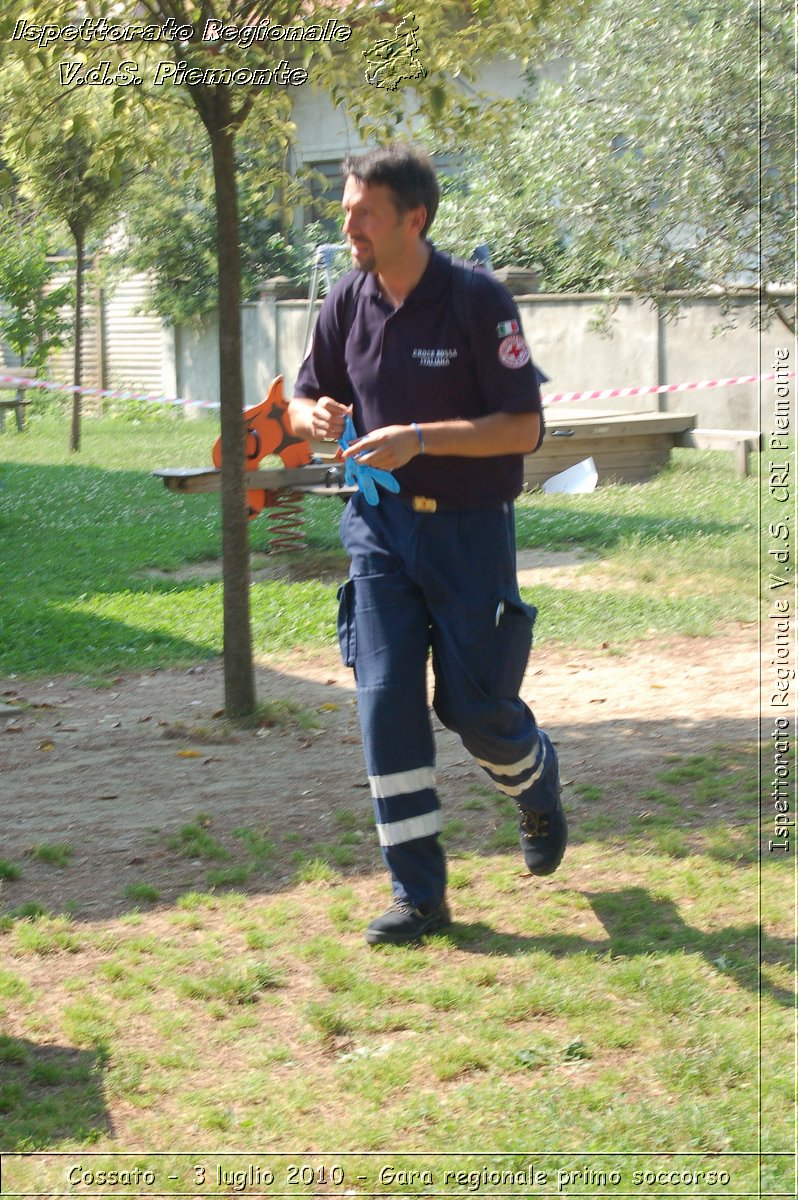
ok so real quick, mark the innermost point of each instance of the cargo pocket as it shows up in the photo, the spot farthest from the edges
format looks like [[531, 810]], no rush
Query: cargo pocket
[[514, 624], [346, 622]]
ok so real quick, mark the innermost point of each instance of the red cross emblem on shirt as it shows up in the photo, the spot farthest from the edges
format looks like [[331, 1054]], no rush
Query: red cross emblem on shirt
[[513, 351]]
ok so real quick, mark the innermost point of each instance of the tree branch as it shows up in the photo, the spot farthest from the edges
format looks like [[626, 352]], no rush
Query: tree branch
[[240, 115], [787, 322]]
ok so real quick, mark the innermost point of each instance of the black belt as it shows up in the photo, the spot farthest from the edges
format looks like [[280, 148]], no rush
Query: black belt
[[427, 504]]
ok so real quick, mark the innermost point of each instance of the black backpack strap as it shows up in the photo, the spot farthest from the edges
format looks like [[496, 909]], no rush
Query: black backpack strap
[[462, 295], [352, 297]]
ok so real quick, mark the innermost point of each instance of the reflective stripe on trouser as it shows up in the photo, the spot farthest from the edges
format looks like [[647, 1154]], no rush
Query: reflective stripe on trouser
[[385, 636], [445, 580]]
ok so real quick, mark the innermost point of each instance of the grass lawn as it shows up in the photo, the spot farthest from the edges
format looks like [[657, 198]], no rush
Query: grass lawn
[[621, 1029], [89, 542], [608, 1021]]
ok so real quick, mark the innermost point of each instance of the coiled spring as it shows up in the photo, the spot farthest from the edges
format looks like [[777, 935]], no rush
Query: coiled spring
[[286, 523]]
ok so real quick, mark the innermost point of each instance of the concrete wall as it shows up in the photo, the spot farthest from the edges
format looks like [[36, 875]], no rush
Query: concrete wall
[[578, 358], [695, 349], [646, 349], [642, 351]]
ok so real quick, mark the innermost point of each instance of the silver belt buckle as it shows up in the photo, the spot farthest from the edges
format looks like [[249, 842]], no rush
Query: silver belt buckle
[[424, 504]]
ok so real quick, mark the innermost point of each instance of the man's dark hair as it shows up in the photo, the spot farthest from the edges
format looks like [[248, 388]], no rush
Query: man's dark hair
[[408, 173]]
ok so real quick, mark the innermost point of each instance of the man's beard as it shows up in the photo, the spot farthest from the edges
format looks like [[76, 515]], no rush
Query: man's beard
[[363, 264]]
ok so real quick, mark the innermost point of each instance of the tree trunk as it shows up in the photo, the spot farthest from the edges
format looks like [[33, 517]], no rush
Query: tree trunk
[[74, 435], [239, 678]]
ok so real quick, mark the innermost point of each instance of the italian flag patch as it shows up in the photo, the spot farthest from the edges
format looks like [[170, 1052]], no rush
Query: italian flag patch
[[506, 328]]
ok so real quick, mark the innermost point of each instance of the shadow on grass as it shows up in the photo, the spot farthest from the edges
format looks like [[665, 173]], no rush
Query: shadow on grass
[[639, 924], [94, 571], [97, 572], [49, 1094], [72, 532], [53, 640], [673, 786]]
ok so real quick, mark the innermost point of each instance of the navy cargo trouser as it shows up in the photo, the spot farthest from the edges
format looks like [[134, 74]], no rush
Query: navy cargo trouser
[[445, 581]]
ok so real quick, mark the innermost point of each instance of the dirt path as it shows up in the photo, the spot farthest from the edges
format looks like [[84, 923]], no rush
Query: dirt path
[[115, 773]]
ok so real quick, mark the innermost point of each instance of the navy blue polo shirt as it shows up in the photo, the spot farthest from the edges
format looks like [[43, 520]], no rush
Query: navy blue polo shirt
[[416, 363]]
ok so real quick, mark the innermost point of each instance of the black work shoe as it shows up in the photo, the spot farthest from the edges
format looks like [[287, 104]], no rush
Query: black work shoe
[[544, 837], [403, 923]]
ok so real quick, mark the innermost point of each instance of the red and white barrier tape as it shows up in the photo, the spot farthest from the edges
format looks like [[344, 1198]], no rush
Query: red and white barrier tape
[[549, 398], [618, 393], [104, 393]]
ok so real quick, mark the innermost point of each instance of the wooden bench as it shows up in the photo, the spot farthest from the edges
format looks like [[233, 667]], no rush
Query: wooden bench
[[626, 447], [18, 402], [742, 442]]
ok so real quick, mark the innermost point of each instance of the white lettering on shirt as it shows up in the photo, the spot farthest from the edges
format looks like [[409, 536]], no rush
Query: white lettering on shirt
[[434, 358]]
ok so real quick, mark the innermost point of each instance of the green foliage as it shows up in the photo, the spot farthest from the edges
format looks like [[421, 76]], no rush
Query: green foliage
[[171, 228], [31, 320], [72, 151], [222, 110], [640, 978], [495, 204], [142, 893], [44, 935], [72, 158], [194, 841], [242, 987], [661, 160]]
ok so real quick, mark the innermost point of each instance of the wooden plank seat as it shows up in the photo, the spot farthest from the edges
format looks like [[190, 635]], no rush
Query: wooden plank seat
[[268, 432], [742, 443], [18, 402], [626, 447], [320, 479]]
